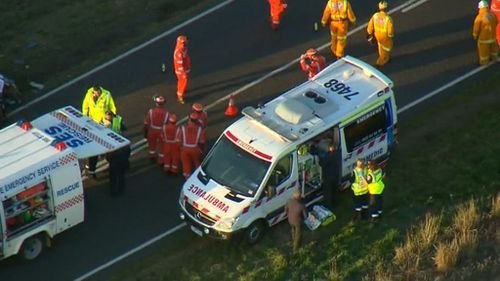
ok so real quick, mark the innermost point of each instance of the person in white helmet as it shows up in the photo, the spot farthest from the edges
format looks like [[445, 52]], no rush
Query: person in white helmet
[[153, 124], [483, 32]]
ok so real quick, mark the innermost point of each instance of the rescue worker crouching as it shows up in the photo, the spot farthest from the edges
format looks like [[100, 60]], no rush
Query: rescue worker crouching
[[96, 103], [171, 149], [153, 124], [483, 31], [191, 138], [359, 187], [312, 62], [375, 189], [339, 13], [381, 27]]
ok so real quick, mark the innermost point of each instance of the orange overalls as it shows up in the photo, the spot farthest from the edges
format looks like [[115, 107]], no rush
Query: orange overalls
[[277, 8], [317, 63], [495, 9], [381, 24], [339, 13], [153, 123], [484, 32], [171, 152], [182, 67], [191, 137]]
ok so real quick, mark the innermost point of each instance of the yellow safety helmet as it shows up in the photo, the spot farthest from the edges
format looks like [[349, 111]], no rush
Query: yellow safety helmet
[[382, 5]]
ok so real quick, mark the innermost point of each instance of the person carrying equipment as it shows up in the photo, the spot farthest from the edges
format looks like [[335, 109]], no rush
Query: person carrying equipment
[[483, 31], [153, 124], [312, 62], [182, 66], [192, 138], [171, 149], [339, 13], [381, 27]]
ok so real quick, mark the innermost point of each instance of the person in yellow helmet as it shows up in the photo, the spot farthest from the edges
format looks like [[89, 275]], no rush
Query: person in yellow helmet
[[339, 13], [359, 188], [483, 31], [381, 26], [376, 186]]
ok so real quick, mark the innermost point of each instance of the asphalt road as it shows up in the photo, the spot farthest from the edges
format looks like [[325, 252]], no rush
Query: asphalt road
[[229, 49]]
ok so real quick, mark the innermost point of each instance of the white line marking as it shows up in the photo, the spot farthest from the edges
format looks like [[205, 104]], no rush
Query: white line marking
[[134, 250], [444, 87], [414, 5], [135, 49]]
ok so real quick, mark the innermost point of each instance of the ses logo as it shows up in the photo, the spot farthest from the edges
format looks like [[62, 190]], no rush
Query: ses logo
[[69, 136]]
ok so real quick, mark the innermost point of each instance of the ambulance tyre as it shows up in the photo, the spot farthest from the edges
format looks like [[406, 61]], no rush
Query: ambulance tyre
[[254, 232], [32, 247]]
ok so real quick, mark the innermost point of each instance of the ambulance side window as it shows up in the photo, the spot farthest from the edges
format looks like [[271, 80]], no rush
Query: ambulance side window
[[281, 171], [365, 128]]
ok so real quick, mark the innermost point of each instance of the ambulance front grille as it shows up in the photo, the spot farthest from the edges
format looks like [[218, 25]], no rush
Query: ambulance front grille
[[199, 215]]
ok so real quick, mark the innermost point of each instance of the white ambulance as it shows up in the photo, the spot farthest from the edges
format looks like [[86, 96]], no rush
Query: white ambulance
[[41, 191], [346, 112]]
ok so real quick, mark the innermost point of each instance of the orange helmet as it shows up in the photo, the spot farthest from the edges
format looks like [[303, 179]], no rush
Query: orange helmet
[[197, 107], [182, 39], [159, 99], [311, 52], [193, 115], [172, 118]]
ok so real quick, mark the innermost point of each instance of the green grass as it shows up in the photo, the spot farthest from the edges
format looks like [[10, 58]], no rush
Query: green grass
[[52, 41], [447, 156]]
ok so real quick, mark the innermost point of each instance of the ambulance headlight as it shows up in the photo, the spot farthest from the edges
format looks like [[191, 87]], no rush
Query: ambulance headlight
[[226, 223]]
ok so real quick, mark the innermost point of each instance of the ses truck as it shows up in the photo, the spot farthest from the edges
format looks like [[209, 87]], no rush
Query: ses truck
[[308, 136], [41, 190]]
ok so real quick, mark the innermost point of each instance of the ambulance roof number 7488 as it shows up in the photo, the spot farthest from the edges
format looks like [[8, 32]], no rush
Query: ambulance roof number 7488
[[340, 88]]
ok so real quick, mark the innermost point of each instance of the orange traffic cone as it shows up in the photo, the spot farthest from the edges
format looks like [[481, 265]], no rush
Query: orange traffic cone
[[231, 109]]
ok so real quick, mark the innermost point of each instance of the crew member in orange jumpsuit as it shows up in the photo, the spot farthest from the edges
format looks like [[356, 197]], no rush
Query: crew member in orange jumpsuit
[[495, 9], [484, 32], [171, 152], [153, 123], [277, 8], [192, 138], [202, 114], [339, 13], [381, 25], [182, 66], [312, 62]]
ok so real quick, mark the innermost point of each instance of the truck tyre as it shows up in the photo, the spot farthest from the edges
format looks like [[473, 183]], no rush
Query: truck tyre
[[32, 247], [254, 232]]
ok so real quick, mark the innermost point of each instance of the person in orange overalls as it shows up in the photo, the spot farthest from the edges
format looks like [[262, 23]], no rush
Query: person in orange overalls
[[277, 8], [153, 123], [171, 152], [495, 9], [339, 13], [182, 66], [192, 138], [202, 114], [312, 62], [483, 31], [382, 27]]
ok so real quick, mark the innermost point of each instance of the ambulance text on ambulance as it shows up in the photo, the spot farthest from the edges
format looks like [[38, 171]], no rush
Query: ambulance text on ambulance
[[29, 177], [207, 197]]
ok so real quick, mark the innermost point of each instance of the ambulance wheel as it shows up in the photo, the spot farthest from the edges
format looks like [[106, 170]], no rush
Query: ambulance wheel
[[254, 232], [32, 247]]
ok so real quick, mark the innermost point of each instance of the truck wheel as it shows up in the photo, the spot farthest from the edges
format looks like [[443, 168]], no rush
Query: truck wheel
[[32, 247], [254, 232]]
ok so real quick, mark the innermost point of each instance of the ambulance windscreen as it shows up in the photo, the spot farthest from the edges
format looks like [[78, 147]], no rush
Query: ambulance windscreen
[[234, 168]]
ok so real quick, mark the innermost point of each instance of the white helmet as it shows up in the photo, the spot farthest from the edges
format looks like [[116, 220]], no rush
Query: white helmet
[[482, 4]]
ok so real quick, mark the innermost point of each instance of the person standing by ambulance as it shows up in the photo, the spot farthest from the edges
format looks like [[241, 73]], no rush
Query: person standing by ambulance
[[182, 66], [96, 103], [171, 149], [483, 31], [296, 213], [191, 138], [339, 13], [381, 26], [312, 62], [153, 124], [359, 187], [495, 9], [277, 8], [375, 189]]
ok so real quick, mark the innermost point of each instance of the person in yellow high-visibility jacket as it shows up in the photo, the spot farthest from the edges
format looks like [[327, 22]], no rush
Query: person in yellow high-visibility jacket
[[382, 28], [359, 188], [483, 31], [339, 13], [375, 189], [96, 102]]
